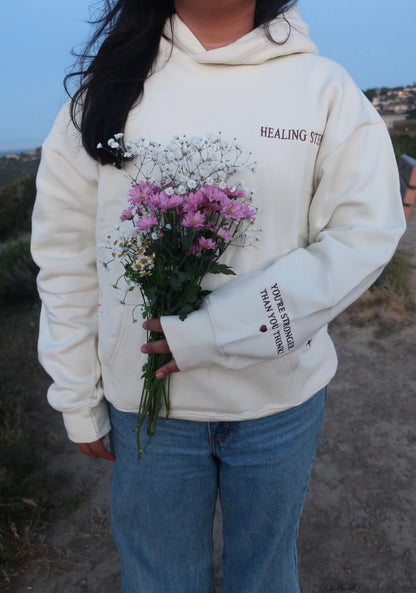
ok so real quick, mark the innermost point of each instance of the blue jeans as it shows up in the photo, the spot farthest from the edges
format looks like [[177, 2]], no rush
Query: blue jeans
[[163, 506]]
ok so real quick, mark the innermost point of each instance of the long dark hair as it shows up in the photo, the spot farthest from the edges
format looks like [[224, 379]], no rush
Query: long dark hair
[[117, 60]]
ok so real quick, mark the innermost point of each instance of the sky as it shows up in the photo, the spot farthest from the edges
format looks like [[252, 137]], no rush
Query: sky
[[372, 39]]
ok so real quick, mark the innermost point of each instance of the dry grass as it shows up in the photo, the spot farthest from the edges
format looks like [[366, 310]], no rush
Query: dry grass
[[99, 525], [390, 303], [28, 493]]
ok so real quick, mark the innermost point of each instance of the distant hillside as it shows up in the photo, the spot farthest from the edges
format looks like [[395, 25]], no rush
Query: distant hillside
[[397, 106], [14, 166], [398, 100]]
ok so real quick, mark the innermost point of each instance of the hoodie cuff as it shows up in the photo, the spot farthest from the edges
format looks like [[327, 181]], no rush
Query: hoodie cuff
[[193, 342], [87, 425]]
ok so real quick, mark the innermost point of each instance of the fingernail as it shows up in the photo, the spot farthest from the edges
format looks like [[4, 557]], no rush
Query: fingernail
[[160, 374], [144, 349]]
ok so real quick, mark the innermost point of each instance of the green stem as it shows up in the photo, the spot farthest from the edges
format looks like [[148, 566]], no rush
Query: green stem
[[155, 392]]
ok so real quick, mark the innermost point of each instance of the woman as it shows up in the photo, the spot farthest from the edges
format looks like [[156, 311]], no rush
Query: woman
[[249, 369]]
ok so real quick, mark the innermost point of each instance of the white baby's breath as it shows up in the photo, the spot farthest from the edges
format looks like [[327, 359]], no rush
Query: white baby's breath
[[184, 162]]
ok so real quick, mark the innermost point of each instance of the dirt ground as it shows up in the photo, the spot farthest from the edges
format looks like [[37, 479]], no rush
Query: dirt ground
[[357, 533]]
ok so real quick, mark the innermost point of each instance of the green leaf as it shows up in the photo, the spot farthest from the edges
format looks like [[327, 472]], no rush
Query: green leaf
[[221, 269], [185, 311], [178, 279]]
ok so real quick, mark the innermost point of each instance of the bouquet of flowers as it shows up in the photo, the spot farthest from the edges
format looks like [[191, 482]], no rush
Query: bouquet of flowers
[[181, 216]]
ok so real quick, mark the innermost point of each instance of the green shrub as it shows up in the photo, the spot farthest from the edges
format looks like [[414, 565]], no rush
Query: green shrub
[[404, 144], [17, 270], [16, 205]]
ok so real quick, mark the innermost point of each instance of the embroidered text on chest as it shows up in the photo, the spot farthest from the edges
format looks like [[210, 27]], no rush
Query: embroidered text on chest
[[291, 134]]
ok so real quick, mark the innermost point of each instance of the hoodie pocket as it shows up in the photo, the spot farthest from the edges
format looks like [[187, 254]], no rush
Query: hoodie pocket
[[113, 326]]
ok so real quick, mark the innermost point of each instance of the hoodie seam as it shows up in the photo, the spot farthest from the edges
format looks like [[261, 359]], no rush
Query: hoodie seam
[[348, 138]]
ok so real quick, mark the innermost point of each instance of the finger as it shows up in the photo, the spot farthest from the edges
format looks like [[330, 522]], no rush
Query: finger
[[167, 369], [104, 453], [96, 450], [99, 451], [156, 347], [153, 325], [86, 448]]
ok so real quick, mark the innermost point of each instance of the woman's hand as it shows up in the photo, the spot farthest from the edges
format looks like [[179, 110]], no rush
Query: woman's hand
[[159, 347], [97, 449]]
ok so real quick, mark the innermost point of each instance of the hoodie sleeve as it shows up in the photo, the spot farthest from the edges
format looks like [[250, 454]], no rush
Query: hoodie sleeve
[[63, 246], [355, 222]]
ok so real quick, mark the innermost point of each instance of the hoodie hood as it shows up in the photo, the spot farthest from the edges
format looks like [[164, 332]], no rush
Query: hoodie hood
[[288, 30]]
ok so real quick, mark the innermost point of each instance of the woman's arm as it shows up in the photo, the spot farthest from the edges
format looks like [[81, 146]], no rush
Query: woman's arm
[[355, 222], [64, 247]]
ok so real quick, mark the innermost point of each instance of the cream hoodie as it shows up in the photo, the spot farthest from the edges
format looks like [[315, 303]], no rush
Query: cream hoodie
[[329, 220]]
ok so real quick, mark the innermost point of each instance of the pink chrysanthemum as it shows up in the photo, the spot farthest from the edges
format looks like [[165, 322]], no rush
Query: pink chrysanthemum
[[142, 189], [213, 193], [146, 223], [127, 214], [232, 209], [205, 243], [194, 219], [202, 243], [152, 201], [167, 202], [211, 225], [224, 234], [248, 213], [192, 201], [236, 193]]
